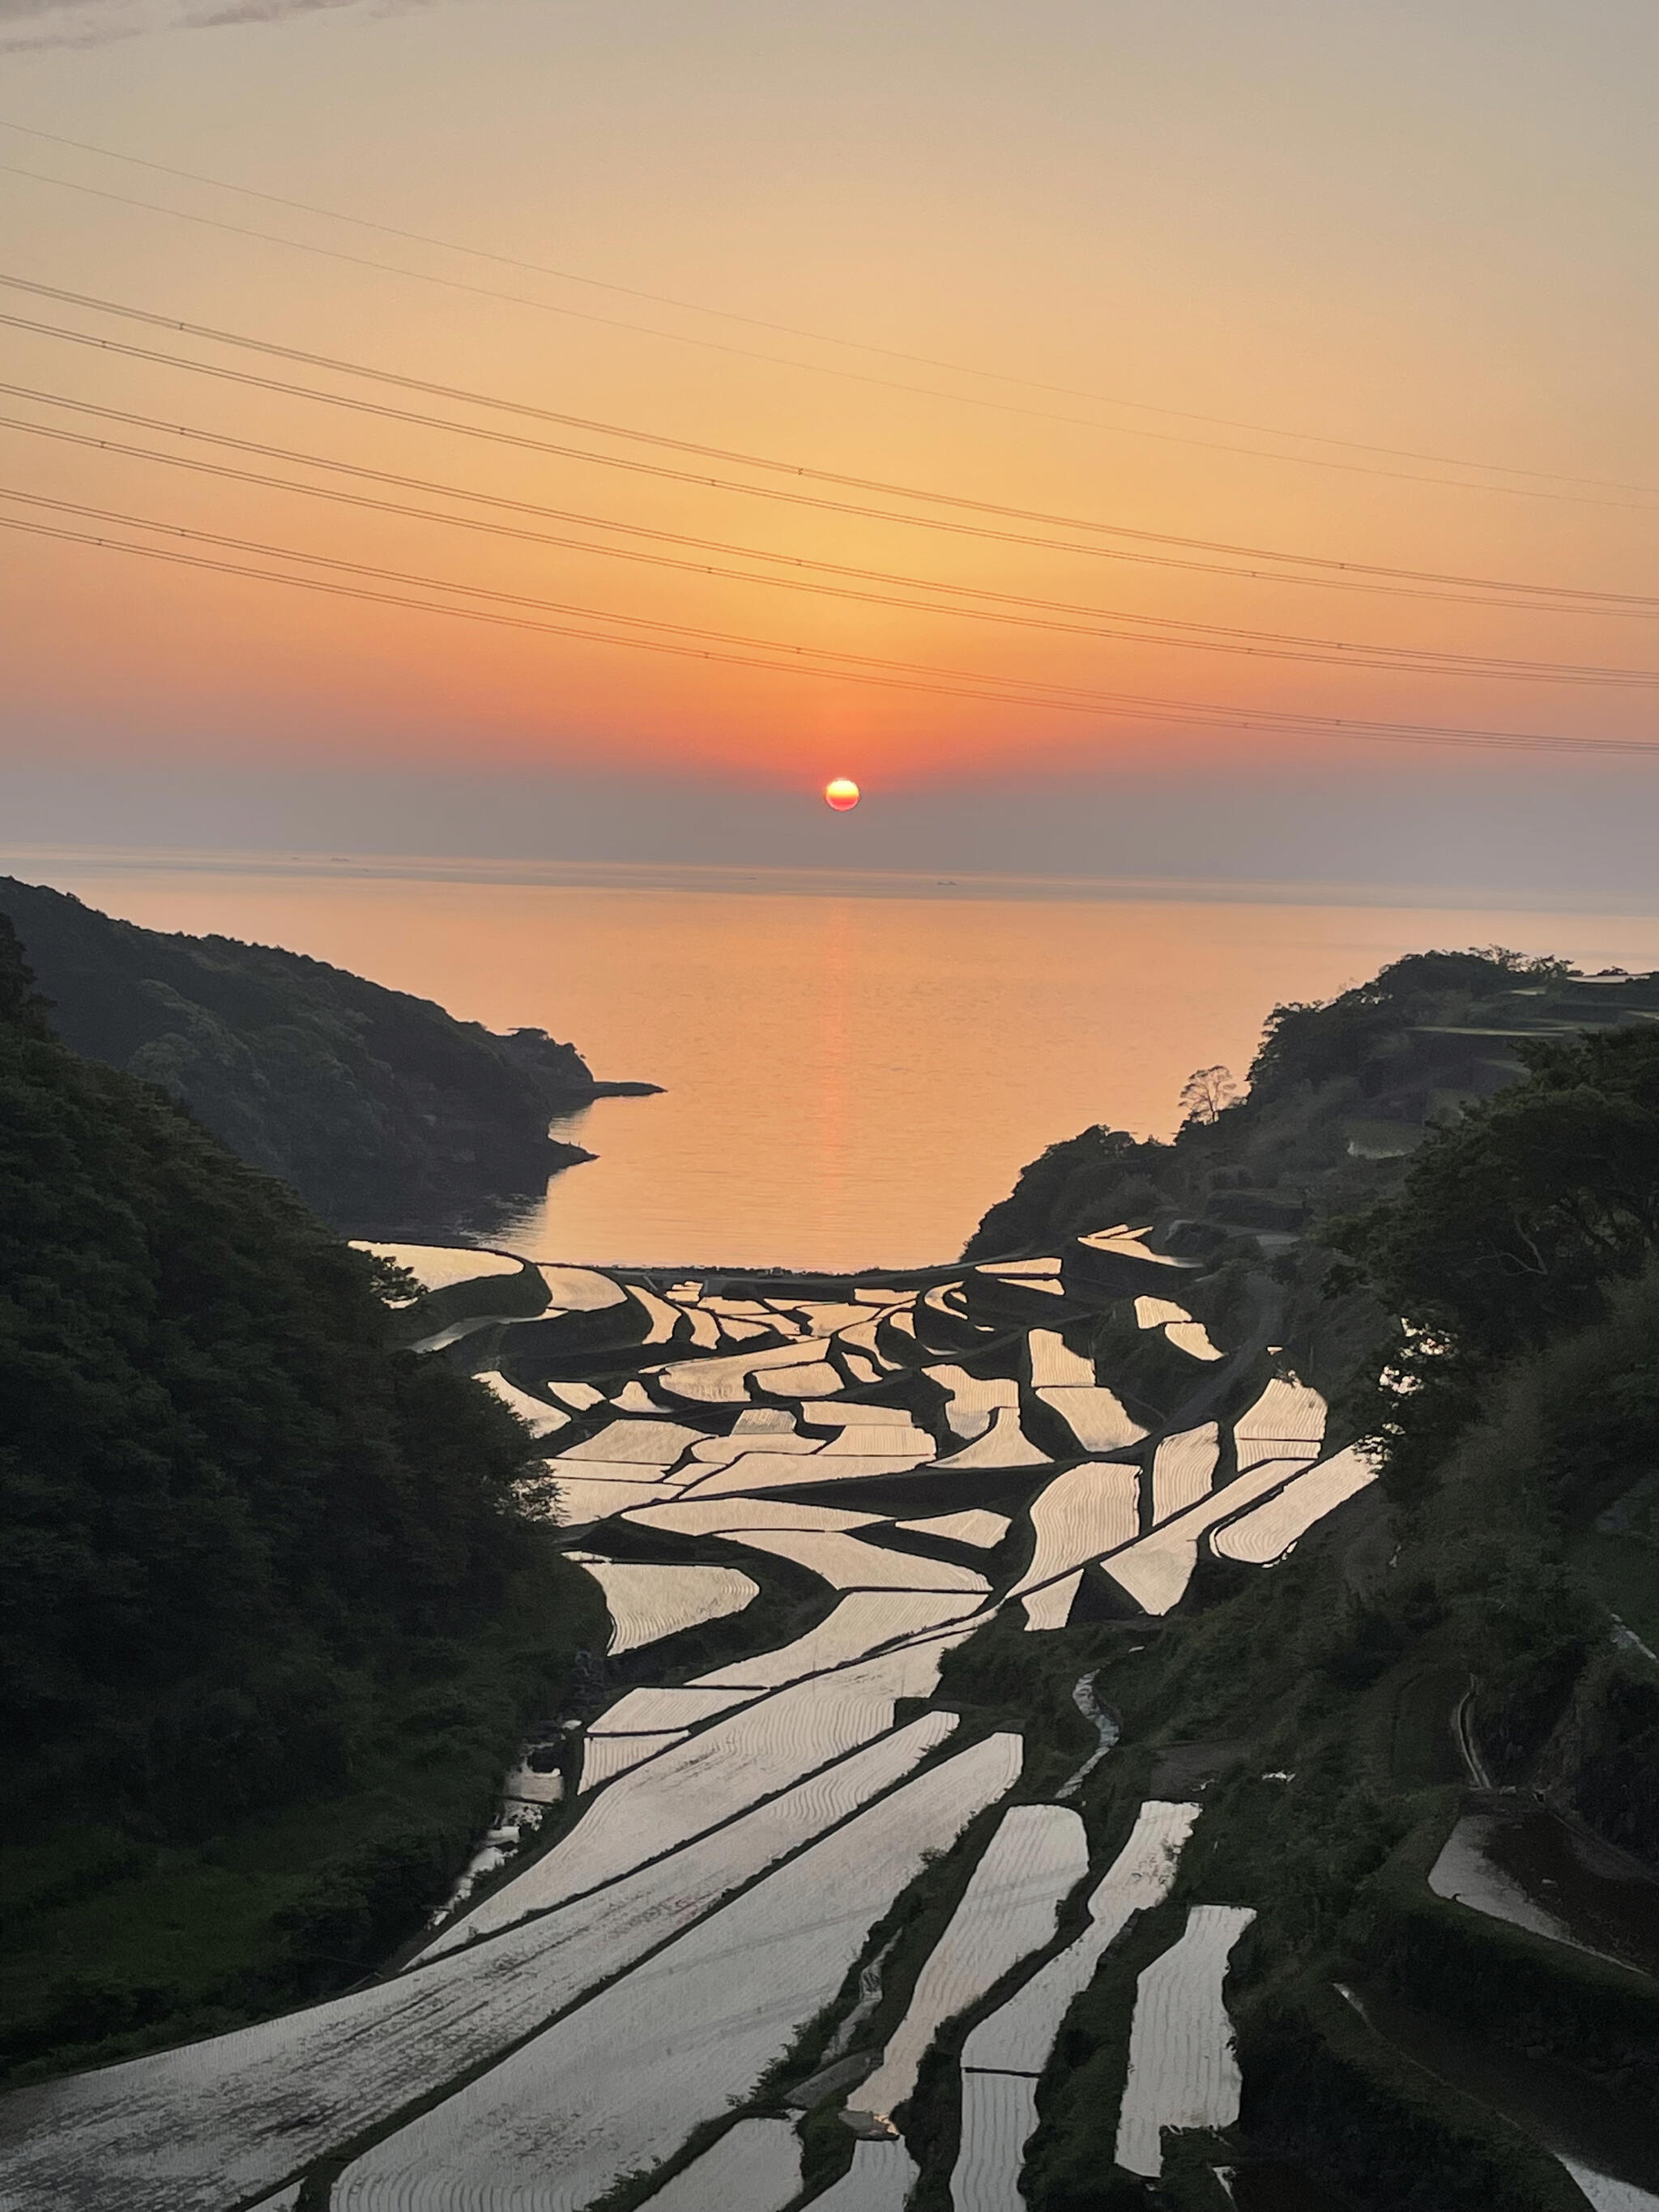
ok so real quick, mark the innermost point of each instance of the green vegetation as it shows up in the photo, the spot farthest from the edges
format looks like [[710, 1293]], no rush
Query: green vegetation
[[377, 1107], [1341, 1096], [269, 1623], [325, 1627], [1399, 2049], [1486, 1286], [1513, 1223]]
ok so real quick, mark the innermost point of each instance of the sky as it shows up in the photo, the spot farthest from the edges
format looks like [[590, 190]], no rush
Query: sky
[[1107, 408]]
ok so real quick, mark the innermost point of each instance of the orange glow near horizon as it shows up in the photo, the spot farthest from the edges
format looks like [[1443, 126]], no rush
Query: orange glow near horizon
[[650, 608]]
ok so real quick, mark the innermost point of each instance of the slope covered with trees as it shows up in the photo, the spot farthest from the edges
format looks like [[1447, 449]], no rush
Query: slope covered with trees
[[1450, 1178], [248, 1540], [1340, 1096], [378, 1108]]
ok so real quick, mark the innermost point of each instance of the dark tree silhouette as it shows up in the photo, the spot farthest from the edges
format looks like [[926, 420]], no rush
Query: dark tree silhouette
[[1206, 1094]]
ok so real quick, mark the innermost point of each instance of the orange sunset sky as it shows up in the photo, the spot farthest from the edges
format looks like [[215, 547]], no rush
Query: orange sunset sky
[[1247, 302]]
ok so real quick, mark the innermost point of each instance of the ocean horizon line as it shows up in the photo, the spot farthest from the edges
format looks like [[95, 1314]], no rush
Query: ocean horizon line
[[721, 877]]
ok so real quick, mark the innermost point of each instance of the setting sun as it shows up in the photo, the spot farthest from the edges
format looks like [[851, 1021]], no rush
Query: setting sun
[[841, 793]]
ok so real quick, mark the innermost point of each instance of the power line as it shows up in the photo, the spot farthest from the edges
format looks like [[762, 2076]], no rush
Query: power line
[[1106, 624], [1637, 608], [760, 322], [676, 338], [685, 641], [956, 501]]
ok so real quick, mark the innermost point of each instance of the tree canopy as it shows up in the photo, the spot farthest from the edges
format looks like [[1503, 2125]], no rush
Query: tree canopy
[[373, 1104], [230, 1499], [1511, 1218], [1513, 1222]]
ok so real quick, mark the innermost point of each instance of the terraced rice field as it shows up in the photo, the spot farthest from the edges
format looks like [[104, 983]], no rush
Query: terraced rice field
[[715, 1452], [816, 1378], [1004, 1444], [768, 1470], [1182, 2071], [193, 2129], [579, 1395], [763, 1747], [583, 1497], [646, 1713], [754, 2167], [1031, 1864], [632, 1444], [1003, 2056], [1018, 2036], [1193, 1339], [1287, 1421], [606, 1757], [725, 1382], [663, 1319], [436, 1266], [1268, 1532], [1606, 2194], [1049, 1606], [1076, 1516], [632, 1399], [620, 2084], [1463, 1872], [582, 1290], [879, 2179], [846, 1563], [1096, 1416], [1054, 1364], [717, 1516], [999, 2118], [734, 1838], [1153, 1313], [1129, 1244], [1156, 1571], [888, 1434], [646, 1603], [974, 1400], [1183, 1467], [864, 1622], [540, 1418], [976, 1526]]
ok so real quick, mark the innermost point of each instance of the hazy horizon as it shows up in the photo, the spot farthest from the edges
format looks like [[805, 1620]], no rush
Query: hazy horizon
[[1081, 428], [1588, 841]]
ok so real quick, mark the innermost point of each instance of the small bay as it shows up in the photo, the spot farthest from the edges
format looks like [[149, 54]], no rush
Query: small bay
[[854, 1068]]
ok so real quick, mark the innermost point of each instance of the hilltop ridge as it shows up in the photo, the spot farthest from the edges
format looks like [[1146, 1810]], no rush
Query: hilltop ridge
[[378, 1108]]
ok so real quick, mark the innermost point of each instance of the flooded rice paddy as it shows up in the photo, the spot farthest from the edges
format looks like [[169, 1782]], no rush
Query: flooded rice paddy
[[672, 1942], [631, 1960], [676, 1934], [657, 1927]]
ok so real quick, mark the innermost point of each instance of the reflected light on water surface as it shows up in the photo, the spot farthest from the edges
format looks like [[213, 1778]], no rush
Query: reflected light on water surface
[[849, 1080]]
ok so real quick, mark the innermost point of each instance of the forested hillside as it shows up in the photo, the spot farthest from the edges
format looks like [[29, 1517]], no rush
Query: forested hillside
[[1453, 1176], [1339, 1098], [256, 1559], [378, 1109]]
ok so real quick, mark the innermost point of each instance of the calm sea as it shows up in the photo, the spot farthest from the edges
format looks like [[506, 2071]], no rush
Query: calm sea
[[853, 1069]]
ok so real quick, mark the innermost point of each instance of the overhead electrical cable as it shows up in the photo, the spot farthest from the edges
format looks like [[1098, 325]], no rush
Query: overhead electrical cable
[[1174, 712], [688, 640], [1106, 624], [958, 503], [1590, 484], [1638, 609]]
